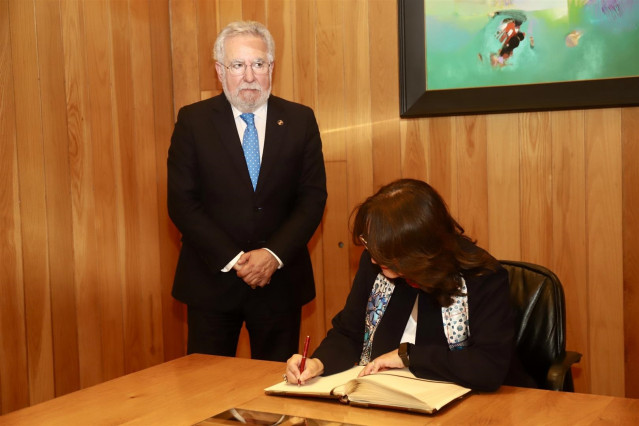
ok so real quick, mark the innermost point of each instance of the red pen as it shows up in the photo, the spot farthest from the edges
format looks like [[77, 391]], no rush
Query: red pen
[[303, 363]]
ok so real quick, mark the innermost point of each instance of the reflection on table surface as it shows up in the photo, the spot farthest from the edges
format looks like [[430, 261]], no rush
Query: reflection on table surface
[[234, 416]]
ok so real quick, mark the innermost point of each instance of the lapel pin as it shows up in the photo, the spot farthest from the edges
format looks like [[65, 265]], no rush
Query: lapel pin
[[280, 122]]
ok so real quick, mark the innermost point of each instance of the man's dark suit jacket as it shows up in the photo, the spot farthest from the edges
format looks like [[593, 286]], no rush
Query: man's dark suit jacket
[[212, 202]]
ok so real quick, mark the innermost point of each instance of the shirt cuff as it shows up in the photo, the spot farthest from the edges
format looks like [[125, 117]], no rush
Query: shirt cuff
[[276, 258], [232, 263]]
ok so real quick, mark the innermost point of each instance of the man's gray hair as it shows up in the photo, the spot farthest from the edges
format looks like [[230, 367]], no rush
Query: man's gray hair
[[238, 28]]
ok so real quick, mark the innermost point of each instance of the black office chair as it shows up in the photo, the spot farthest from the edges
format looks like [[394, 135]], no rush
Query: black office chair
[[541, 317]]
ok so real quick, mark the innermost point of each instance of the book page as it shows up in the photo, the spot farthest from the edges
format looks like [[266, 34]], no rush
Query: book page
[[317, 386], [400, 388]]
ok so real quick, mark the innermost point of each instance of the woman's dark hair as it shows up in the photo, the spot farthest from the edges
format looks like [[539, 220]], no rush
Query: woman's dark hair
[[406, 227]]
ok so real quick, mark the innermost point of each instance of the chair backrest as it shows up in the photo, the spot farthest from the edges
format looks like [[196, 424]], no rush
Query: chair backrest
[[538, 297]]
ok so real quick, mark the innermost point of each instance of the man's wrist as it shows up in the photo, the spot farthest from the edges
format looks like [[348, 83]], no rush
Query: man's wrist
[[279, 261]]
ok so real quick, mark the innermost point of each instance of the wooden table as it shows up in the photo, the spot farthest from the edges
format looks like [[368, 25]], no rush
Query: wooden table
[[191, 389]]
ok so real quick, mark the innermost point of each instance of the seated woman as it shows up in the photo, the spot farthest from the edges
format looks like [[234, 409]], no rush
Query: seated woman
[[424, 297]]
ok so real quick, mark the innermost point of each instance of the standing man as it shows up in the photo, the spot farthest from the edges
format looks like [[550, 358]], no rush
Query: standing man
[[247, 189]]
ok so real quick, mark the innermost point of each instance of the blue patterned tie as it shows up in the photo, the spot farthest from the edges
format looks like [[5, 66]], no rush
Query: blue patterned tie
[[251, 147]]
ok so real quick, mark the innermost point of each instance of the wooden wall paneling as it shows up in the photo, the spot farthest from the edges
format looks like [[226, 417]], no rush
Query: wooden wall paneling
[[173, 312], [330, 79], [59, 204], [186, 62], [207, 30], [108, 280], [305, 92], [536, 188], [382, 16], [472, 190], [254, 10], [442, 160], [335, 241], [122, 100], [504, 186], [569, 233], [82, 191], [630, 196], [125, 123], [243, 346], [143, 312], [605, 258], [313, 314], [14, 373], [357, 133], [228, 11], [32, 200], [304, 53], [185, 90], [414, 148], [279, 23]]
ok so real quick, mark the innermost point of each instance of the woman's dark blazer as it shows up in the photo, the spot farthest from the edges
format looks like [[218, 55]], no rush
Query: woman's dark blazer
[[213, 204], [483, 365]]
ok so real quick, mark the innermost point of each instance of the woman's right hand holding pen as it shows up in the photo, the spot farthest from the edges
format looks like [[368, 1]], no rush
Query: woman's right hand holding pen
[[312, 368]]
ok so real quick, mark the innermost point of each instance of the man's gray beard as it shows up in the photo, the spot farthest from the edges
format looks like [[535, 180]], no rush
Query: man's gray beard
[[245, 106]]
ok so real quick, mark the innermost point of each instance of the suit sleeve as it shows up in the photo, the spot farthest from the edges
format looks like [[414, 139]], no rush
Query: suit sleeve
[[184, 200], [484, 364], [310, 200]]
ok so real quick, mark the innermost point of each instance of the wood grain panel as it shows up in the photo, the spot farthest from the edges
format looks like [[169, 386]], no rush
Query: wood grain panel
[[143, 314], [243, 345], [605, 259], [28, 121], [14, 372], [313, 314], [305, 92], [82, 193], [471, 145], [630, 196], [254, 10], [304, 53], [569, 233], [108, 279], [58, 189], [357, 134], [384, 97], [330, 83], [335, 241], [229, 11], [173, 312], [414, 149], [503, 182], [184, 51], [279, 24], [442, 168], [536, 188], [122, 100], [207, 30]]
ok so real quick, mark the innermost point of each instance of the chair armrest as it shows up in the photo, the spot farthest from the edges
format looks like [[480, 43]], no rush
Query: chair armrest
[[560, 369]]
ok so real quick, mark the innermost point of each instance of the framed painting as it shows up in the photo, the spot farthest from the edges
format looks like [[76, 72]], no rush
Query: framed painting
[[483, 56]]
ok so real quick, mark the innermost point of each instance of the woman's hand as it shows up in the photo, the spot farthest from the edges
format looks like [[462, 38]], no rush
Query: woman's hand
[[313, 367], [384, 362]]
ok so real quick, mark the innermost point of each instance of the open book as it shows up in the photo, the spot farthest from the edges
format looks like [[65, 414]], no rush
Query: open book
[[396, 388]]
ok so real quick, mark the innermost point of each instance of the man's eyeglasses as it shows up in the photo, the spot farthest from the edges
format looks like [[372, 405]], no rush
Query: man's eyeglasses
[[239, 68], [363, 241]]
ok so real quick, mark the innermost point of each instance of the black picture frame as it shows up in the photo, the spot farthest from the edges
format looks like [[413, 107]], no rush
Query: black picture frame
[[417, 101]]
